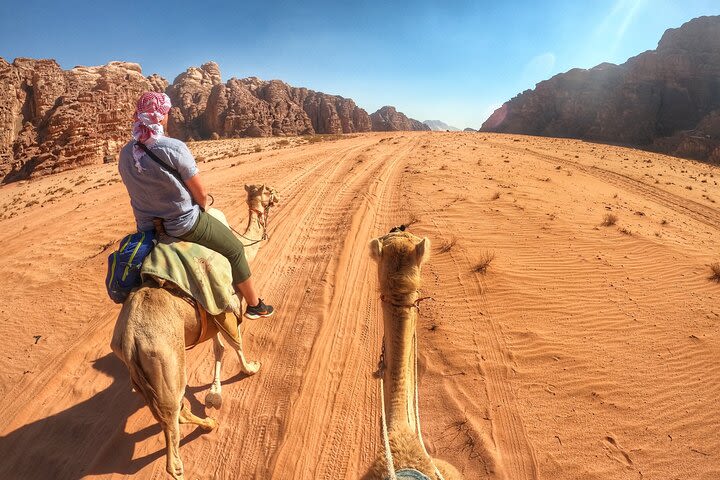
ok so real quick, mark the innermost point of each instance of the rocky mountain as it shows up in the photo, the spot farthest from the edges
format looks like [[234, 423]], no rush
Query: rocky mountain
[[468, 129], [439, 126], [388, 119], [53, 120], [666, 99], [204, 107]]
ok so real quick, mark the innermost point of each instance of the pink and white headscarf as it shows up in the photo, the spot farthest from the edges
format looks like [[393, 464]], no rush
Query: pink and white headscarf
[[150, 111]]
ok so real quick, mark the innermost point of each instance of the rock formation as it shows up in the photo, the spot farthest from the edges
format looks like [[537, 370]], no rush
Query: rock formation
[[666, 99], [387, 119], [205, 108], [468, 129], [440, 126], [53, 120]]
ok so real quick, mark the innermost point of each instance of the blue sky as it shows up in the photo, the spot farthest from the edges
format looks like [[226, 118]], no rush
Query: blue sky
[[449, 60]]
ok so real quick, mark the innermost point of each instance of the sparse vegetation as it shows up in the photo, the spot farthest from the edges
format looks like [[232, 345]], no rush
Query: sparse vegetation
[[283, 143], [609, 219], [715, 272], [448, 245], [484, 262], [412, 220], [625, 231], [257, 148]]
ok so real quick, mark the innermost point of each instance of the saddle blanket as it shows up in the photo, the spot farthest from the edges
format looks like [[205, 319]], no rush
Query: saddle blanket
[[199, 272]]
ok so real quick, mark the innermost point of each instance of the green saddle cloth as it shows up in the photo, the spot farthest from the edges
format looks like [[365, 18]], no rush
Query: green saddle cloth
[[201, 273]]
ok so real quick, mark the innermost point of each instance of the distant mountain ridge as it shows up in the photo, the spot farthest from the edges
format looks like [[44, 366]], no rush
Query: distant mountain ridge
[[666, 99], [440, 126], [53, 120]]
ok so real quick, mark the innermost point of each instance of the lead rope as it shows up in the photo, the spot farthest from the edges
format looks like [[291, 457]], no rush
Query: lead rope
[[265, 218]]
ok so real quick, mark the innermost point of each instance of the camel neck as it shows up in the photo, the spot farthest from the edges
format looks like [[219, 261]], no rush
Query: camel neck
[[399, 376], [254, 231]]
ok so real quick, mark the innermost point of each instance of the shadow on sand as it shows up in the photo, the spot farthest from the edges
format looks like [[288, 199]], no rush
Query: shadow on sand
[[88, 438]]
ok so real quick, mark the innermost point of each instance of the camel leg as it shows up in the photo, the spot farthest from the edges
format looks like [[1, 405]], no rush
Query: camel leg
[[213, 399], [246, 367], [172, 440], [186, 416]]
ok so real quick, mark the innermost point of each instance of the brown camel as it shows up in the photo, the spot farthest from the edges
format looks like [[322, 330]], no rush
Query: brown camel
[[155, 326], [400, 255]]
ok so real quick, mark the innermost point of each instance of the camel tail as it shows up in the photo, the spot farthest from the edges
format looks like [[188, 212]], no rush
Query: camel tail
[[140, 380]]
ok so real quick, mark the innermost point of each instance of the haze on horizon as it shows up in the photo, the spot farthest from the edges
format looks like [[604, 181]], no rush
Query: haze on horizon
[[450, 61]]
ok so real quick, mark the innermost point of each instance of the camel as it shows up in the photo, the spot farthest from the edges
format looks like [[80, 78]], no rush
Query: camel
[[400, 255], [155, 326]]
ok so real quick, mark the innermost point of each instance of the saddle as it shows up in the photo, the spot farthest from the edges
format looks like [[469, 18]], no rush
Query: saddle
[[199, 275]]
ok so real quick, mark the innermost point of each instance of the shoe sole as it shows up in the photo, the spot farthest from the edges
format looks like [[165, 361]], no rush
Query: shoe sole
[[252, 316]]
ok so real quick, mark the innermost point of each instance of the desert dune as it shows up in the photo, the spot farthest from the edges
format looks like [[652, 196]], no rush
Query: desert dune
[[587, 348]]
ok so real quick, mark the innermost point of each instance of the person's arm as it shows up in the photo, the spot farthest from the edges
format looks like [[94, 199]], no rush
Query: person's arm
[[197, 189]]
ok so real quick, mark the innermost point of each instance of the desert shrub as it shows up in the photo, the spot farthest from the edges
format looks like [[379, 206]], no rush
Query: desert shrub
[[609, 219], [283, 143], [448, 245], [495, 196], [412, 220], [484, 262], [715, 271], [257, 148]]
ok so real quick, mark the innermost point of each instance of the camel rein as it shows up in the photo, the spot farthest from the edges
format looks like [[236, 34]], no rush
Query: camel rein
[[392, 475], [264, 216]]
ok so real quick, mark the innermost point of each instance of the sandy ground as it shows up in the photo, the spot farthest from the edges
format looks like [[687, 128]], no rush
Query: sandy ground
[[584, 352]]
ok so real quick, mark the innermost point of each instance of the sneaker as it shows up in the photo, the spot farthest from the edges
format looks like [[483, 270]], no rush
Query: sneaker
[[259, 310]]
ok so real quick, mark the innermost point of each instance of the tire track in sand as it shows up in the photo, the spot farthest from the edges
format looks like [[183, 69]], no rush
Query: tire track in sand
[[681, 205]]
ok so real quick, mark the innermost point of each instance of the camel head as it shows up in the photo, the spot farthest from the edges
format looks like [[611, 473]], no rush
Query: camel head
[[260, 197], [400, 254]]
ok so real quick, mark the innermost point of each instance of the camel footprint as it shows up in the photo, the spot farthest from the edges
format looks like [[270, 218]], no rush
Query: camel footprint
[[616, 452]]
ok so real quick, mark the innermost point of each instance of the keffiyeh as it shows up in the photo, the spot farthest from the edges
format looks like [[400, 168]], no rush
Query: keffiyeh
[[150, 111]]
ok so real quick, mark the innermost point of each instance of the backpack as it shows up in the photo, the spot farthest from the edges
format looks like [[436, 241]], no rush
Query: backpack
[[124, 265]]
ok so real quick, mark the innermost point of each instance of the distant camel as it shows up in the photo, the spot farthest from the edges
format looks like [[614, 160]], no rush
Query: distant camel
[[155, 326], [400, 255]]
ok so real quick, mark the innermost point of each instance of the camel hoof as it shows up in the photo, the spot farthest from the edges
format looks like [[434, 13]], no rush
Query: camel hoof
[[251, 368], [212, 424], [213, 400]]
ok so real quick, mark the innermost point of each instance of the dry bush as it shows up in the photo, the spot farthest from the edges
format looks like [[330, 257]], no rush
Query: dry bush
[[609, 219], [447, 245], [484, 262], [495, 196], [412, 220], [283, 143], [257, 148], [625, 231], [715, 269]]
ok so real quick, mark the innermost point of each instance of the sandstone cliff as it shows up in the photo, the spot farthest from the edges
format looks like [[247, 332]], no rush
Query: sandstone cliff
[[53, 120], [666, 99], [387, 119], [204, 107]]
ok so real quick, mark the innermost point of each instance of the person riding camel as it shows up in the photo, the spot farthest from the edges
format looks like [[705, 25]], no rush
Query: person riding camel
[[175, 194]]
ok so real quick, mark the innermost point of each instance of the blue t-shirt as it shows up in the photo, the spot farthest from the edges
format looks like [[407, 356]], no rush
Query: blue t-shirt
[[154, 192]]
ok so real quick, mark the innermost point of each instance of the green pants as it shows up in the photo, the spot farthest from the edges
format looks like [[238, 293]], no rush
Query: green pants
[[210, 232]]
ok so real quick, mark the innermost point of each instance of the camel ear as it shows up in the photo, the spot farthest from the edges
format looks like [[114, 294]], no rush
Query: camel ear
[[376, 249], [247, 188], [422, 251]]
